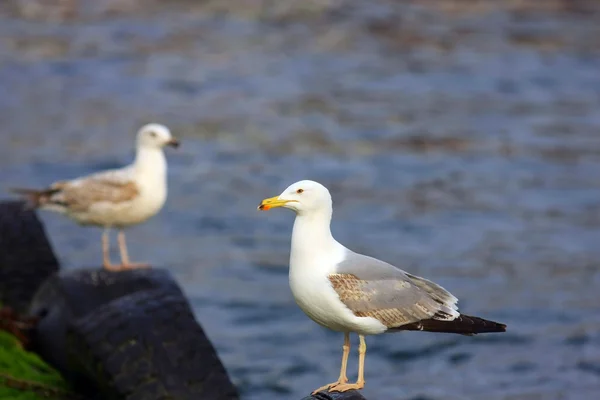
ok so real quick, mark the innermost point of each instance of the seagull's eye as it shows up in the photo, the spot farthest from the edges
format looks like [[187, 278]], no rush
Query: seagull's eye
[[153, 134], [299, 191]]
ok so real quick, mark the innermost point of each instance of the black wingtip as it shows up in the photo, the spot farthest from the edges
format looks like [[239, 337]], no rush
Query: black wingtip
[[31, 197], [463, 325], [34, 198]]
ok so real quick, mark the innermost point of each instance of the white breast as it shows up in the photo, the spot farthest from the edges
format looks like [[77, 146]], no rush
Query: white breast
[[315, 295], [146, 205], [150, 172]]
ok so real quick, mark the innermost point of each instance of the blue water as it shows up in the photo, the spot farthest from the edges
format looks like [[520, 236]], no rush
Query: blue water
[[461, 146]]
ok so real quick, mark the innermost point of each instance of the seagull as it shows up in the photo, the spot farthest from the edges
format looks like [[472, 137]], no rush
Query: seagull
[[354, 293], [114, 198]]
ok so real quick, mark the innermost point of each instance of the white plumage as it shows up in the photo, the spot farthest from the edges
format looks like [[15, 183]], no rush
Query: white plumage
[[350, 292], [115, 198]]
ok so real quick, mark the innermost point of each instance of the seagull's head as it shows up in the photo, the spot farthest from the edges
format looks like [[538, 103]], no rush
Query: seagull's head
[[156, 136], [302, 197]]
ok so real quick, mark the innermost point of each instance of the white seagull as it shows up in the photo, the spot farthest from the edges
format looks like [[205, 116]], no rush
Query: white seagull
[[350, 292], [115, 198]]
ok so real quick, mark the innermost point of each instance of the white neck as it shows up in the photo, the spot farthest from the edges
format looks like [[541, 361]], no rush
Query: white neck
[[311, 232], [150, 162]]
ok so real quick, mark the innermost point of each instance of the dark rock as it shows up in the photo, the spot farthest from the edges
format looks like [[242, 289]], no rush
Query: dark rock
[[26, 257], [349, 395], [70, 295], [148, 346], [127, 335]]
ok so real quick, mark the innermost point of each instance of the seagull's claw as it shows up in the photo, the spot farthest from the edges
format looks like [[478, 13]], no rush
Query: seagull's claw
[[328, 387], [134, 266], [123, 267], [344, 387], [111, 267]]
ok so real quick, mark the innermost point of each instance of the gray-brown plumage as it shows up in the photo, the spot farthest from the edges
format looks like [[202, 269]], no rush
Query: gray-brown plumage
[[80, 196], [402, 301]]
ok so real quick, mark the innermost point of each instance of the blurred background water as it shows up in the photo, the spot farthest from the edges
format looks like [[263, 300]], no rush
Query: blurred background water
[[460, 141]]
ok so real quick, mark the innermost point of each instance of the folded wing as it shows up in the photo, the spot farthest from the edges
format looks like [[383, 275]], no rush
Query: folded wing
[[80, 194], [372, 288], [401, 301]]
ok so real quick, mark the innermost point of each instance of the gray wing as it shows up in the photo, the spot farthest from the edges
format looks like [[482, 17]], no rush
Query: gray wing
[[373, 288], [114, 186]]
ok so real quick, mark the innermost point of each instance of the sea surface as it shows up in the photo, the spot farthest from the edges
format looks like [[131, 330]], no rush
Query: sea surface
[[460, 141]]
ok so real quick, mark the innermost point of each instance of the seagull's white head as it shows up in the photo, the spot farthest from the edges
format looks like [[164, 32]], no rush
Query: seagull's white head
[[155, 136], [302, 197]]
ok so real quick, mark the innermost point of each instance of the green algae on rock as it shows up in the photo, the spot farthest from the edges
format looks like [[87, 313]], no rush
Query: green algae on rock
[[25, 376]]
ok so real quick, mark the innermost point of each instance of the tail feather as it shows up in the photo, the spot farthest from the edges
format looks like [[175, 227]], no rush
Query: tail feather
[[463, 324], [35, 198]]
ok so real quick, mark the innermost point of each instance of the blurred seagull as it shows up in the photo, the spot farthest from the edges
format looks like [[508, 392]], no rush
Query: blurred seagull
[[350, 292], [114, 198]]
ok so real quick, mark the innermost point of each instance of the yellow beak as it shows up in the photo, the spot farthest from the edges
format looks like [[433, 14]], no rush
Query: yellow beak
[[272, 202]]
